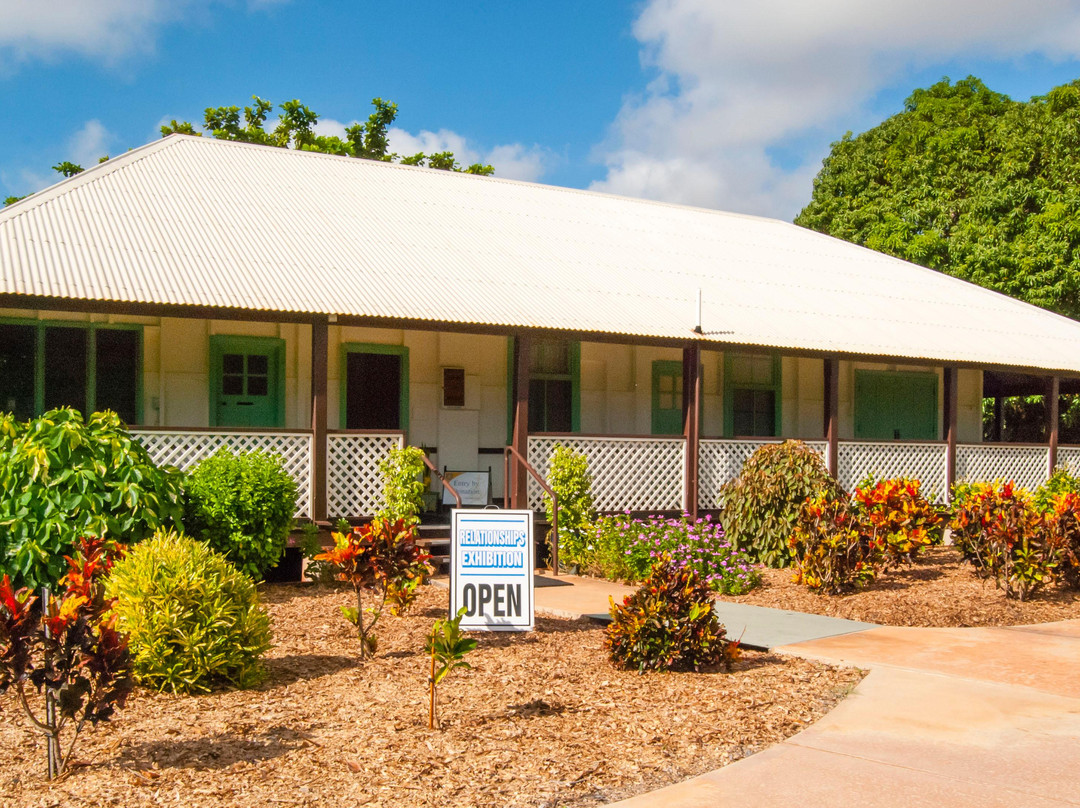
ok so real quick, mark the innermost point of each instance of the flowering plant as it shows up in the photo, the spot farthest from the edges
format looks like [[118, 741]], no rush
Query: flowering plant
[[627, 548]]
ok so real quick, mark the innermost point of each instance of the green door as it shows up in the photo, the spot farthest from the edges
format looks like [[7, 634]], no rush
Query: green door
[[247, 382], [667, 417], [895, 406]]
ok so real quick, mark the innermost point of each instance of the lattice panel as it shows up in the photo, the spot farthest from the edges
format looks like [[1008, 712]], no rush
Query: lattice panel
[[1069, 457], [1027, 466], [923, 461], [721, 461], [353, 484], [185, 449], [639, 474]]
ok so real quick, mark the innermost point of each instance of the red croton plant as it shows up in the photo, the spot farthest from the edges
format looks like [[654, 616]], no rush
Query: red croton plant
[[383, 558], [67, 649]]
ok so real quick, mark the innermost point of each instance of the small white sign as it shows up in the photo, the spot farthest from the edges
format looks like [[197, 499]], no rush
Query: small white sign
[[472, 486], [491, 571]]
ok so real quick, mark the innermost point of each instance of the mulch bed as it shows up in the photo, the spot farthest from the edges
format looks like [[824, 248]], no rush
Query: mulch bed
[[938, 590], [544, 719]]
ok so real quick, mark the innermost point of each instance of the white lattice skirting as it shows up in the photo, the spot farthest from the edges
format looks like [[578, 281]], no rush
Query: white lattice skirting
[[1027, 466], [354, 485], [639, 474], [925, 462], [721, 461], [185, 449], [1069, 457]]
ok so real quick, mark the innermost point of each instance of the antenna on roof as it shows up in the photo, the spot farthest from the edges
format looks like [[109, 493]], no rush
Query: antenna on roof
[[697, 328]]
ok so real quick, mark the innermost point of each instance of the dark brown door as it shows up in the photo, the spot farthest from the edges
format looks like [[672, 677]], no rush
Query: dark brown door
[[373, 391]]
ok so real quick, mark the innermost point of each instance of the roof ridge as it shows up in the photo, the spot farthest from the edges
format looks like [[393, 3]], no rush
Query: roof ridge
[[388, 165]]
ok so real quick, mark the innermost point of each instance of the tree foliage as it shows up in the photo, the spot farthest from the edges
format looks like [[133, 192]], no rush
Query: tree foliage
[[968, 182], [295, 129]]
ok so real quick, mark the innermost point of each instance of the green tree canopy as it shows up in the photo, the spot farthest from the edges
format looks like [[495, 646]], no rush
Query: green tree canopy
[[295, 129], [968, 182]]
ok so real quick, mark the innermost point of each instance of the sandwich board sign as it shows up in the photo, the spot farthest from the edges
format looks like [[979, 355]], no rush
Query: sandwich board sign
[[491, 569]]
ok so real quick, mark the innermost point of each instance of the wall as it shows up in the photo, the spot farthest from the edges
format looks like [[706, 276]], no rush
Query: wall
[[616, 383]]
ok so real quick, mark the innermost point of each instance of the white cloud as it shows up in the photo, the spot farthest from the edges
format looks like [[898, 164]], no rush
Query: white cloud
[[734, 80], [513, 161], [102, 29], [89, 144]]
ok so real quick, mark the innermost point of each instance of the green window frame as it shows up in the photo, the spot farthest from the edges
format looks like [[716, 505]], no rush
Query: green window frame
[[89, 404], [375, 348], [758, 382], [872, 388], [573, 376], [221, 344]]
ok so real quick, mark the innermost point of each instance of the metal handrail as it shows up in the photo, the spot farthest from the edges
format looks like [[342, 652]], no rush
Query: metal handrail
[[507, 452], [442, 479]]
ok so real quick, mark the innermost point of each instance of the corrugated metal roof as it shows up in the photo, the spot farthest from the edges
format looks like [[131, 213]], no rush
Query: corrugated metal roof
[[197, 221]]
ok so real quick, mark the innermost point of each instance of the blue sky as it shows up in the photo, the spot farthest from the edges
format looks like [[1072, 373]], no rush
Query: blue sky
[[709, 102]]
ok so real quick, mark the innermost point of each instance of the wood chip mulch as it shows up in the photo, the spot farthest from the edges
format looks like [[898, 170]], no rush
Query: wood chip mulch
[[542, 720], [938, 590]]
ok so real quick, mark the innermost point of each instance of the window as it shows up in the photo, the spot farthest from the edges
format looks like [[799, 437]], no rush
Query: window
[[45, 365], [553, 374], [751, 395], [453, 387]]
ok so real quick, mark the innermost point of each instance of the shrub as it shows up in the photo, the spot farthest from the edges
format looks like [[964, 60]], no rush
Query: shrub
[[194, 620], [762, 505], [62, 478], [897, 514], [832, 548], [69, 650], [1061, 482], [1063, 525], [242, 505], [668, 624], [1000, 532], [378, 558], [569, 479], [403, 488], [625, 549]]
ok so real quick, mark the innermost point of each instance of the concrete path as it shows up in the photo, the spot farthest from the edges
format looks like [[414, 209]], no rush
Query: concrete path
[[945, 717]]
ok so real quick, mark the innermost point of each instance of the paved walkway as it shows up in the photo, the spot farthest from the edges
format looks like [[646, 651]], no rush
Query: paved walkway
[[946, 717]]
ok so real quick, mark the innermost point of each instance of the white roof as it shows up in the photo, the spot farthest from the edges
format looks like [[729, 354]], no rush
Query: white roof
[[200, 222]]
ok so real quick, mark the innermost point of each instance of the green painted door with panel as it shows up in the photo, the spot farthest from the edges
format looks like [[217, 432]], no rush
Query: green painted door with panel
[[895, 405], [667, 380], [247, 381]]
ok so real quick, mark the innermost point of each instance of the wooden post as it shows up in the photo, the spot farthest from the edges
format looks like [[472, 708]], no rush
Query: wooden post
[[950, 422], [1053, 417], [999, 418], [519, 490], [319, 471], [691, 410], [832, 415]]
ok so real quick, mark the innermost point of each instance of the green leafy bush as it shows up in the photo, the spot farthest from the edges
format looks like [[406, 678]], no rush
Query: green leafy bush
[[1061, 482], [834, 549], [403, 487], [242, 505], [761, 506], [668, 624], [625, 549], [194, 620], [62, 478], [1000, 532], [570, 480]]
